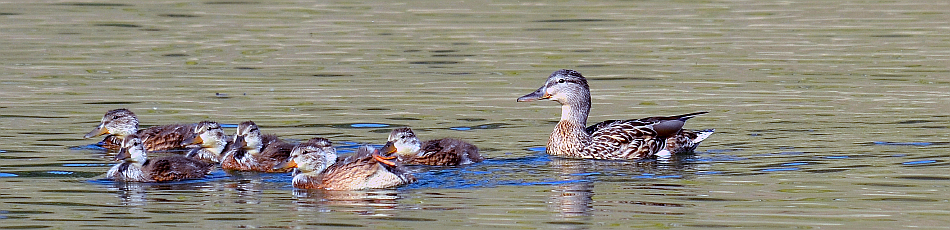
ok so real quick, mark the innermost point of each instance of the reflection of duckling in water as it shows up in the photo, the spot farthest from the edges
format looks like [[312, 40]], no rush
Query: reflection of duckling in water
[[211, 141], [252, 151], [120, 123], [318, 168], [613, 139], [138, 168], [447, 151]]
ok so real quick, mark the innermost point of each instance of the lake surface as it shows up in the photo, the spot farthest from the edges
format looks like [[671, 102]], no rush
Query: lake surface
[[828, 114]]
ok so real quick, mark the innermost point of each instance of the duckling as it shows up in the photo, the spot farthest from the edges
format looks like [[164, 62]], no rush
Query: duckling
[[615, 139], [138, 168], [317, 167], [120, 123], [210, 140], [446, 151], [252, 151]]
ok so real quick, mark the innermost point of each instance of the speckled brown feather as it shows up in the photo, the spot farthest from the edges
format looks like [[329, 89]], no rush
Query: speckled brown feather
[[624, 141], [166, 137]]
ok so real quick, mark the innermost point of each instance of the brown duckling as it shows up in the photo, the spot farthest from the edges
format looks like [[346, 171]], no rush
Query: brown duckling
[[317, 167], [253, 151], [210, 140], [445, 152], [120, 123], [611, 140], [138, 168]]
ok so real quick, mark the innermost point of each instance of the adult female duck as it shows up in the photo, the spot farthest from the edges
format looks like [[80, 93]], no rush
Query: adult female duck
[[613, 139]]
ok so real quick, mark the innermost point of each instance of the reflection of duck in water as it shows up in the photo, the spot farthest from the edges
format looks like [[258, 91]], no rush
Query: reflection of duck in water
[[613, 139], [210, 140], [318, 168], [447, 151], [252, 151], [120, 123], [138, 168]]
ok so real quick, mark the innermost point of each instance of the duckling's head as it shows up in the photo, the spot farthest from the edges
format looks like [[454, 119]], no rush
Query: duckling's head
[[119, 122], [405, 141], [208, 134], [312, 156], [132, 150], [565, 86], [251, 135]]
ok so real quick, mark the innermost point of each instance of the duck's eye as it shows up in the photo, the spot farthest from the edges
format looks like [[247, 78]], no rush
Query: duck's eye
[[560, 80], [115, 117]]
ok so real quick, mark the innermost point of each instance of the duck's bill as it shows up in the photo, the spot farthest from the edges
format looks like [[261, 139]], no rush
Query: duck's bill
[[384, 160], [123, 154], [386, 150], [536, 95], [286, 165], [239, 141], [193, 140], [96, 132]]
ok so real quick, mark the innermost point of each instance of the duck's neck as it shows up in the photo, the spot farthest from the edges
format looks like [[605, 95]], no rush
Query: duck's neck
[[569, 137]]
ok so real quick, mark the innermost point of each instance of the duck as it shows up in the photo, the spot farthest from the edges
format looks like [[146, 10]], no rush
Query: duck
[[439, 152], [209, 141], [252, 151], [316, 166], [120, 123], [632, 139], [136, 167]]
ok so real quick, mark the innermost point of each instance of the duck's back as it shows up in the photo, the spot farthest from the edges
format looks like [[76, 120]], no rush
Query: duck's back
[[166, 137], [359, 172], [448, 152], [173, 168]]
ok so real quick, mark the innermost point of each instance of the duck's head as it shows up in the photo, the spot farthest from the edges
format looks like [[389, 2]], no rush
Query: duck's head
[[314, 156], [405, 141], [132, 150], [119, 122], [251, 135], [565, 86], [208, 134]]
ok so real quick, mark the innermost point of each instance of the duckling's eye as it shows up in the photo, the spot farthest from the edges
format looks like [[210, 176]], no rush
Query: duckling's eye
[[115, 117], [560, 80]]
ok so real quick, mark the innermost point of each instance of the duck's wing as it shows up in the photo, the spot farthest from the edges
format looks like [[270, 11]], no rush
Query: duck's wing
[[624, 141], [174, 168], [640, 138], [166, 137], [447, 152], [642, 121], [350, 173]]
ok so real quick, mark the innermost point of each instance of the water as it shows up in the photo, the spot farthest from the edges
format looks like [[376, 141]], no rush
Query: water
[[829, 114]]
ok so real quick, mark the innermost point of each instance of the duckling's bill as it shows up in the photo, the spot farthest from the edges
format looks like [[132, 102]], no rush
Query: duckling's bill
[[286, 164]]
